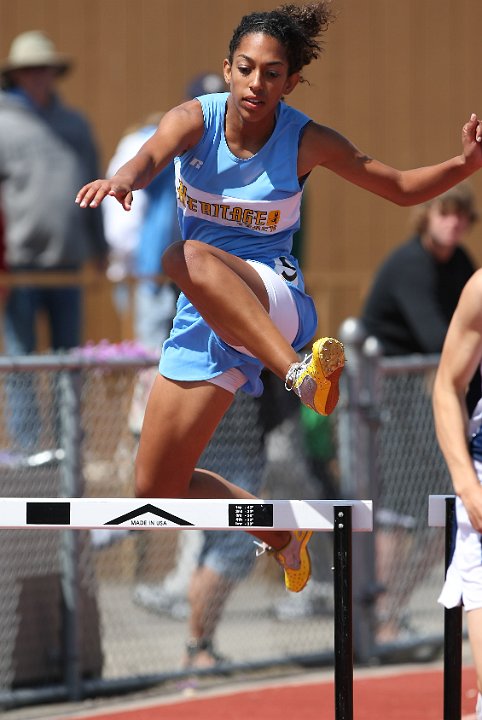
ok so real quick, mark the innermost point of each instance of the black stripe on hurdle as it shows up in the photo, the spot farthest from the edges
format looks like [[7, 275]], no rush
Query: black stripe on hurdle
[[48, 513]]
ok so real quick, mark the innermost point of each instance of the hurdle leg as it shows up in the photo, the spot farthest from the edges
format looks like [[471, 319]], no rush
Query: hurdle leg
[[343, 629], [452, 630]]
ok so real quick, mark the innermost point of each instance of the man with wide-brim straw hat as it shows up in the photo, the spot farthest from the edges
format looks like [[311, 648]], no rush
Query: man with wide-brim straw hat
[[46, 150], [30, 50]]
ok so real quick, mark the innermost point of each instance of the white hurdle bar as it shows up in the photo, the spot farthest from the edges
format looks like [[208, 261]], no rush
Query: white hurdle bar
[[155, 513], [441, 513], [341, 517]]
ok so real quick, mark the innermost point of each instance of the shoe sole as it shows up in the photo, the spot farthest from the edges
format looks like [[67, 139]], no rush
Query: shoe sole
[[327, 363], [296, 580]]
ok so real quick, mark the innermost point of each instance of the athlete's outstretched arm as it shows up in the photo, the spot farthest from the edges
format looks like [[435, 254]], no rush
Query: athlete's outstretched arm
[[325, 147], [178, 130], [461, 355]]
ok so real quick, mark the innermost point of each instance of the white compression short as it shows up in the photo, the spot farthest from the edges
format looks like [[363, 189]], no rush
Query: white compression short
[[282, 311], [463, 582]]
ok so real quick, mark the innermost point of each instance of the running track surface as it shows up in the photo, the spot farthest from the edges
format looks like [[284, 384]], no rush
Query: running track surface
[[415, 694]]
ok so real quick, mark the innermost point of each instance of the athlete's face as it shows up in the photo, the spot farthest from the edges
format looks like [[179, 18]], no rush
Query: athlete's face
[[258, 76]]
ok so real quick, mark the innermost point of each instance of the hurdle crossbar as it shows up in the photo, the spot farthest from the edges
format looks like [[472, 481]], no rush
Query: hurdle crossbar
[[441, 513], [200, 514]]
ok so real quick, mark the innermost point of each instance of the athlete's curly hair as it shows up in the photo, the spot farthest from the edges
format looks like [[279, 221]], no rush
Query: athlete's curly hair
[[297, 28]]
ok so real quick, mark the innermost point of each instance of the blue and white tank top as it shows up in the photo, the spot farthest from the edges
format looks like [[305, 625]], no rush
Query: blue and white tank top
[[249, 208]]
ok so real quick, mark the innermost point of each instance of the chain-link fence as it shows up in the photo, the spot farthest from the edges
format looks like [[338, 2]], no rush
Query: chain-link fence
[[85, 612]]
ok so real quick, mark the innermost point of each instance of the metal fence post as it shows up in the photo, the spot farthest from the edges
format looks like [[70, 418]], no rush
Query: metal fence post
[[352, 335], [71, 486], [356, 443], [371, 419]]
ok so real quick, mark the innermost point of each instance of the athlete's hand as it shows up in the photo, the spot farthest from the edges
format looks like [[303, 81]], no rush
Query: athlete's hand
[[472, 500], [92, 194], [472, 141]]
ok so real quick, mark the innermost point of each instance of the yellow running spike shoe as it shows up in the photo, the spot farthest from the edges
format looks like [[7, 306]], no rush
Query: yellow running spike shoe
[[316, 378], [294, 558]]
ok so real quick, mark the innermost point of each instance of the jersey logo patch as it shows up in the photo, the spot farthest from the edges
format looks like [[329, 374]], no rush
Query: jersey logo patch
[[286, 269]]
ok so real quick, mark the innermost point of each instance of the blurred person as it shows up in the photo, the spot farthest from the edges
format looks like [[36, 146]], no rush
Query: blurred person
[[46, 150], [137, 241], [225, 557], [460, 439], [408, 309], [417, 287], [242, 159]]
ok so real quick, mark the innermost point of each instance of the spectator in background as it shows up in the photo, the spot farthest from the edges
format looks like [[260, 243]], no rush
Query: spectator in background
[[46, 150], [138, 239], [225, 557], [408, 309], [417, 288]]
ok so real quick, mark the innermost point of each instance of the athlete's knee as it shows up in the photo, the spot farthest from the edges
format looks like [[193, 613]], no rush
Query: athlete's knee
[[186, 260]]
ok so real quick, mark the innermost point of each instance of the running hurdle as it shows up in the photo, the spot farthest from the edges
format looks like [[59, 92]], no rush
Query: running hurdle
[[441, 513], [340, 517]]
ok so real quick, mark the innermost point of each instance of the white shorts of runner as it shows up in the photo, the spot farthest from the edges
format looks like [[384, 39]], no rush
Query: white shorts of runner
[[282, 311], [463, 582]]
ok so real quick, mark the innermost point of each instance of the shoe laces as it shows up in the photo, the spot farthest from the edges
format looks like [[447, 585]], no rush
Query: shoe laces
[[262, 547], [294, 370]]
